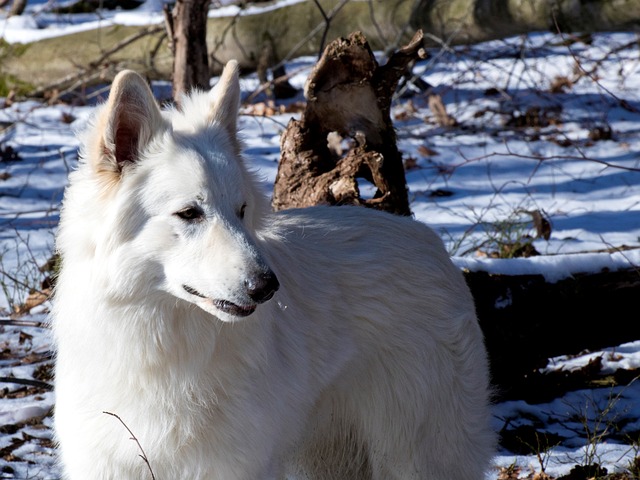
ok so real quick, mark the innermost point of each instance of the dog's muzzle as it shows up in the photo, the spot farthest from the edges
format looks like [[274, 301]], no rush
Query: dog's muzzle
[[259, 288]]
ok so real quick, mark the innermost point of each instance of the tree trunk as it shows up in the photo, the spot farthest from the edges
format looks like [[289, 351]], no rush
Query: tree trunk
[[189, 44], [17, 7], [348, 100]]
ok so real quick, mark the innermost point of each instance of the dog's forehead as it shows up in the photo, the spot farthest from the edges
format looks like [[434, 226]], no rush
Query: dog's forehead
[[207, 150], [197, 164], [211, 143]]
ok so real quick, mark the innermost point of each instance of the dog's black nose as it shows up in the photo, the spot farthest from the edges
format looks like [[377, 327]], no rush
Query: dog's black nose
[[262, 287]]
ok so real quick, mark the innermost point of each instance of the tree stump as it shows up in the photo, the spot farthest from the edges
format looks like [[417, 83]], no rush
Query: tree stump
[[345, 132]]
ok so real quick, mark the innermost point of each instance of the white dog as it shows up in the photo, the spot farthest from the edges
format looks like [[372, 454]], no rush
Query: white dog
[[238, 344]]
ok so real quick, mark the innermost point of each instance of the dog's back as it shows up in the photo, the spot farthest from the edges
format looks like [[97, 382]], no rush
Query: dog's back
[[240, 344], [377, 296]]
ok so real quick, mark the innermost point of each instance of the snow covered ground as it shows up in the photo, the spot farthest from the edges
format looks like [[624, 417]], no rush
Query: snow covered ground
[[545, 124]]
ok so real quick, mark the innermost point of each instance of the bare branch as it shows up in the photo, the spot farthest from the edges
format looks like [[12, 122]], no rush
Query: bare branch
[[591, 75], [168, 24], [12, 322], [135, 439], [124, 43], [89, 73], [540, 158], [27, 382]]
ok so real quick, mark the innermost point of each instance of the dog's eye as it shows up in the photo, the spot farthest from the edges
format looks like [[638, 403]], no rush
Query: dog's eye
[[190, 214], [242, 210]]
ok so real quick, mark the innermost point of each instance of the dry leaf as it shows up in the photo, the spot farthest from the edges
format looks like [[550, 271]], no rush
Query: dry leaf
[[560, 84], [509, 473], [426, 151], [440, 111], [33, 300], [411, 163], [541, 224]]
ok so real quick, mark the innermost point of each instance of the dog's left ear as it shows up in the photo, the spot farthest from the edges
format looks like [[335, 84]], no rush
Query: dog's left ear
[[127, 122], [225, 100]]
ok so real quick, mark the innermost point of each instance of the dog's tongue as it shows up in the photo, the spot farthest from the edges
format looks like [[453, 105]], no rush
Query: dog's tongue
[[233, 309]]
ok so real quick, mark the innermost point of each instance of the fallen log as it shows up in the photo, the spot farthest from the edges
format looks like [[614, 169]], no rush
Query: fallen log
[[527, 320]]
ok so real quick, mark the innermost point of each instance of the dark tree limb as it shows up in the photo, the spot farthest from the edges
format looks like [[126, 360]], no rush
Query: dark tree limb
[[327, 19], [27, 382]]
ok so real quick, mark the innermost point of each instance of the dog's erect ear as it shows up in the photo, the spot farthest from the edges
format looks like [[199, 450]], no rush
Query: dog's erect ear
[[127, 123], [225, 99]]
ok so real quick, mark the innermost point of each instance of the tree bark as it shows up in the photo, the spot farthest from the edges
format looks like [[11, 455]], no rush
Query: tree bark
[[189, 45], [348, 98], [17, 7]]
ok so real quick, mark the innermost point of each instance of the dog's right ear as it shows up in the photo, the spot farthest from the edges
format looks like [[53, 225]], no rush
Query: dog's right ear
[[126, 123]]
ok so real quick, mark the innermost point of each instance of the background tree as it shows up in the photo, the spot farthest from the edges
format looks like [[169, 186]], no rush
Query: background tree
[[187, 29], [17, 6]]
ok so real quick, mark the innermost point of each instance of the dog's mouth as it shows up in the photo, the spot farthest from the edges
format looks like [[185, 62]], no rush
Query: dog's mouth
[[233, 309], [223, 305]]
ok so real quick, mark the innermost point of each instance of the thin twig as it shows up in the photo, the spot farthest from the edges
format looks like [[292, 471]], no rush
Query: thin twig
[[220, 43], [376, 26], [168, 25], [91, 68], [21, 283], [153, 52], [327, 25], [591, 74], [541, 158], [134, 438], [292, 52], [126, 42], [268, 84]]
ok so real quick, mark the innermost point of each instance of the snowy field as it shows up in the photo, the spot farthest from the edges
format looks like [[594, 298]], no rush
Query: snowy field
[[545, 124]]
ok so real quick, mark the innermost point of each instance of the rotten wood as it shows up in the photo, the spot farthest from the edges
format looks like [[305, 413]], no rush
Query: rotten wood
[[345, 135]]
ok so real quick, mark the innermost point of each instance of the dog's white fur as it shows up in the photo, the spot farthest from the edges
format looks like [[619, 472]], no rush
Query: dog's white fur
[[367, 363]]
